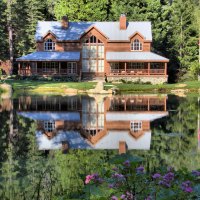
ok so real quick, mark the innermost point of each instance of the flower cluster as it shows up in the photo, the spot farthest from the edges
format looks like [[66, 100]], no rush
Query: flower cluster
[[156, 176], [196, 173], [140, 170], [94, 177], [127, 196], [127, 163], [167, 179], [186, 186]]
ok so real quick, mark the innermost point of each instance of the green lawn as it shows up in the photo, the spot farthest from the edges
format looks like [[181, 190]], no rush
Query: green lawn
[[21, 86], [125, 87], [51, 87]]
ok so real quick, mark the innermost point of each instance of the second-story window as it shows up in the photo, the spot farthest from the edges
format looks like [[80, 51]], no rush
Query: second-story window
[[136, 45], [49, 45]]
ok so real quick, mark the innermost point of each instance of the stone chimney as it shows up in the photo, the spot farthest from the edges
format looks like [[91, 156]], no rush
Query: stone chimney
[[122, 22], [65, 22]]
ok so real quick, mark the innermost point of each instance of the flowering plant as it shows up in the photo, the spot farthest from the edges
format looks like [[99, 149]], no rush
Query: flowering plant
[[129, 180]]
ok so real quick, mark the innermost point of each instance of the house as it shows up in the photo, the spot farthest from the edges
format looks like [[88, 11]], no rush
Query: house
[[88, 123], [93, 50]]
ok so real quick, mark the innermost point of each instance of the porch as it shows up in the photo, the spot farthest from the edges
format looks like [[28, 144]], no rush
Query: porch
[[47, 68], [137, 68], [49, 63]]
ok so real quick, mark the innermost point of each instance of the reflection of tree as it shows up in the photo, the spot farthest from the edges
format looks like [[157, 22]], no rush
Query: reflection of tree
[[174, 140]]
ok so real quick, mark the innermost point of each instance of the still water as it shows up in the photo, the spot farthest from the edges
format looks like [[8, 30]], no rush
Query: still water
[[73, 135]]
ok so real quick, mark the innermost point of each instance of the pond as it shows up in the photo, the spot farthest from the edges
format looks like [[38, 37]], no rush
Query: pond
[[68, 137]]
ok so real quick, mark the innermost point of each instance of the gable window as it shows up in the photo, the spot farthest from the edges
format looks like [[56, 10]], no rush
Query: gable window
[[136, 126], [49, 126], [136, 45], [49, 45]]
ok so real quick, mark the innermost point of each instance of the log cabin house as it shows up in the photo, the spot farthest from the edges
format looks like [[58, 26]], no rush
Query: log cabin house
[[88, 123], [93, 50]]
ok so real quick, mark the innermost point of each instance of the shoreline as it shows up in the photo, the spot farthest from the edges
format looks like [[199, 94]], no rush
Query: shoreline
[[65, 88]]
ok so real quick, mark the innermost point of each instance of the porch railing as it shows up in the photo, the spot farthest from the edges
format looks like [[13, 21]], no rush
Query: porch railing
[[137, 72]]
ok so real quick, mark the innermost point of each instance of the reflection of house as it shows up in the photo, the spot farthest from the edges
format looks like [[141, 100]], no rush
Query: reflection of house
[[121, 50], [86, 122]]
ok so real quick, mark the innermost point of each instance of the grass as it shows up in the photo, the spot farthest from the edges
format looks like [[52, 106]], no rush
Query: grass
[[24, 86], [165, 88], [51, 87]]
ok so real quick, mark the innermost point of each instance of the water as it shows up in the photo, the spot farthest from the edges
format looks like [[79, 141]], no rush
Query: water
[[74, 135]]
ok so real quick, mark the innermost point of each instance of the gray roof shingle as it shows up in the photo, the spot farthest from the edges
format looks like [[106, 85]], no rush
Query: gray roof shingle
[[134, 56], [51, 55], [109, 29]]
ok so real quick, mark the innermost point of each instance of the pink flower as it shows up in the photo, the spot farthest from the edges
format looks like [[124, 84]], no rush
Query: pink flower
[[88, 179]]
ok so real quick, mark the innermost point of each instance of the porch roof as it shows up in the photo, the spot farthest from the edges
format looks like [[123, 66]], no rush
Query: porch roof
[[51, 56], [135, 56]]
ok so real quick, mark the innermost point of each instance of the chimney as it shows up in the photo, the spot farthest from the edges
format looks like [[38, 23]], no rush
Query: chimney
[[64, 22], [122, 147], [122, 22]]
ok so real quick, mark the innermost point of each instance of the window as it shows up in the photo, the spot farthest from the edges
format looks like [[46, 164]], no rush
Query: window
[[136, 66], [136, 45], [136, 126], [49, 126], [50, 67], [49, 45], [71, 67], [92, 55]]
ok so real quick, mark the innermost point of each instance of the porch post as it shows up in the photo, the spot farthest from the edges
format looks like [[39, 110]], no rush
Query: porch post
[[149, 68], [165, 69], [148, 104], [35, 67], [19, 68], [59, 68], [125, 67]]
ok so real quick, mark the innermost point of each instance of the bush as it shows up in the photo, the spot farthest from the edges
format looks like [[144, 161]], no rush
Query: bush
[[129, 181]]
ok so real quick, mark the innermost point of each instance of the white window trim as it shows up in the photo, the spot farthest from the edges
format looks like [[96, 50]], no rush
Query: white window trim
[[132, 123], [49, 41], [132, 45], [47, 126], [71, 65]]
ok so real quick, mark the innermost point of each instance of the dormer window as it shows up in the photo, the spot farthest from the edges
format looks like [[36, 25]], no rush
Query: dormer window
[[136, 45], [49, 45]]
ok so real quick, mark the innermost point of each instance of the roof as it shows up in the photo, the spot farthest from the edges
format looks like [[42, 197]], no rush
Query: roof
[[69, 116], [134, 56], [51, 55], [112, 139], [118, 116], [76, 29]]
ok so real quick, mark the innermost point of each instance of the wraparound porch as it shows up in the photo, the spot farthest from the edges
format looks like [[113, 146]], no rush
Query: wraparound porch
[[137, 68]]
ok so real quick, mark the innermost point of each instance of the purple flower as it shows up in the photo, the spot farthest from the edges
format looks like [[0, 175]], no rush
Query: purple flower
[[140, 169], [114, 198], [119, 177], [115, 169], [123, 196], [186, 187], [164, 183], [148, 198], [169, 177], [127, 163], [111, 186], [156, 176], [196, 173]]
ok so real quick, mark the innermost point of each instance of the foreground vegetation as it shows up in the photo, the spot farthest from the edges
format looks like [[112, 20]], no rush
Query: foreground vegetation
[[129, 180]]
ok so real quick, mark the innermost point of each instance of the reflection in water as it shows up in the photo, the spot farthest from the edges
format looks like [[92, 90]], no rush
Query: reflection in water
[[93, 123], [161, 129]]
